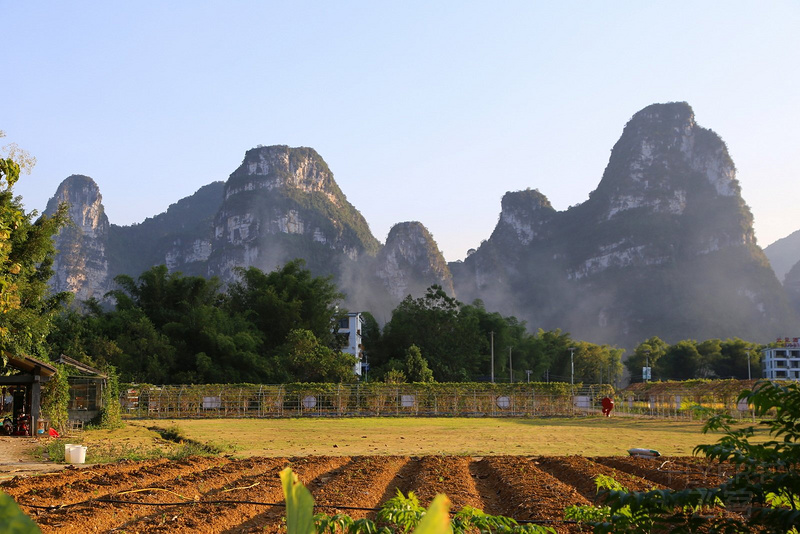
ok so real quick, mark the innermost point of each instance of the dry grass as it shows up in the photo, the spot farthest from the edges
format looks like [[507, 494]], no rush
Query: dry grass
[[589, 436]]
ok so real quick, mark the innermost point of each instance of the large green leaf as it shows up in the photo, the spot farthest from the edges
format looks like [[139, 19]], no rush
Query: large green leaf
[[299, 504]]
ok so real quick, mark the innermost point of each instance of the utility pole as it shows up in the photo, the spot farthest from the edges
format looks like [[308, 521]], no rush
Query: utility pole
[[510, 367], [528, 372], [492, 334], [748, 366], [572, 366]]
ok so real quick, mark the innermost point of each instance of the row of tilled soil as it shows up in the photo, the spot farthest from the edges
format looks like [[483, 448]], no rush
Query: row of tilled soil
[[225, 495]]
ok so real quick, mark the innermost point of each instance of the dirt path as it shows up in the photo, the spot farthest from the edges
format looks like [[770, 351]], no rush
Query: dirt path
[[17, 458]]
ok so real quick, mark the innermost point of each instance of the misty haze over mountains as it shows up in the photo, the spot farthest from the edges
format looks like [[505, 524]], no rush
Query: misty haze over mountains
[[663, 247]]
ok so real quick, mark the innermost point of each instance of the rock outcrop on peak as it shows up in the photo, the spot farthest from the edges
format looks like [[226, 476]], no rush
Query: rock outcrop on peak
[[664, 246], [411, 261], [283, 203], [81, 265]]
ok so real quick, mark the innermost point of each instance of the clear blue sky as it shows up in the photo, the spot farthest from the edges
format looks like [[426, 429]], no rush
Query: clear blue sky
[[425, 111]]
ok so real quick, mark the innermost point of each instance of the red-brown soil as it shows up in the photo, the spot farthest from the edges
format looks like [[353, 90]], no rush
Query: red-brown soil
[[524, 488]]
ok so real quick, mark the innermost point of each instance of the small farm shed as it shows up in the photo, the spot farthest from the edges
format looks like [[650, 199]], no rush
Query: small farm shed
[[22, 391], [86, 385]]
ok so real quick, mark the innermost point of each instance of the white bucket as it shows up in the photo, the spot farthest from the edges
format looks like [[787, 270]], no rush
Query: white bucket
[[78, 454], [68, 452]]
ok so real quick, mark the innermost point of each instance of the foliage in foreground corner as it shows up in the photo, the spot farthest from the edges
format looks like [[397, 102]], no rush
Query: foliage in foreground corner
[[763, 495], [400, 514], [13, 520]]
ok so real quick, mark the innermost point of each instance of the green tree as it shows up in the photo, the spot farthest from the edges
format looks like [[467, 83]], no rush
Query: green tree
[[710, 352], [307, 360], [650, 351], [451, 342], [552, 352], [417, 368], [597, 363], [682, 361], [287, 299], [27, 308], [738, 359]]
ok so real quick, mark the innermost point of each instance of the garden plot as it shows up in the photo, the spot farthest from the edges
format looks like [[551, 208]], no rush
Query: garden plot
[[226, 495]]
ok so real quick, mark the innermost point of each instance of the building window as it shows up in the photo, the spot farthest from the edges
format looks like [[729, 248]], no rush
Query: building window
[[83, 395], [780, 374], [780, 353], [344, 322]]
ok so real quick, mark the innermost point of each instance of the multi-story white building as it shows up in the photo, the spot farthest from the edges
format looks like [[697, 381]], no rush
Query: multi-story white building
[[782, 362], [351, 326]]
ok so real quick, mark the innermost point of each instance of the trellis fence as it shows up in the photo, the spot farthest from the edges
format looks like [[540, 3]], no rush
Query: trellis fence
[[298, 400]]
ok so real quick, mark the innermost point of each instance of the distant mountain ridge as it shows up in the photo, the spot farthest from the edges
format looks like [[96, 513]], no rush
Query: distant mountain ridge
[[664, 246], [784, 254]]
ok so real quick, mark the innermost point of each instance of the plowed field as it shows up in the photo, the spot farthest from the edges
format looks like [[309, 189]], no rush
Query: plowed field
[[229, 495]]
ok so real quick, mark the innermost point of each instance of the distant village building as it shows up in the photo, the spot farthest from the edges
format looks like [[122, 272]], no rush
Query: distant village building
[[350, 329], [782, 362]]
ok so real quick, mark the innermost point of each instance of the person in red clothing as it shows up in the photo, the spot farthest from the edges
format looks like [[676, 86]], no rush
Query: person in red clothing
[[608, 405]]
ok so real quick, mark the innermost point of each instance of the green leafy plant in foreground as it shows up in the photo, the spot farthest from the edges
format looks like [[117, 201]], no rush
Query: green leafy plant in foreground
[[764, 491], [13, 520], [400, 514]]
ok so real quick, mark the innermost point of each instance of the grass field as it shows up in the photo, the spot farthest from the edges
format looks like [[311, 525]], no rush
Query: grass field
[[593, 436]]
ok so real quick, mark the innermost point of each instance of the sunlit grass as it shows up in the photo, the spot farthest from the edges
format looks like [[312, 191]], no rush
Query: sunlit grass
[[590, 436]]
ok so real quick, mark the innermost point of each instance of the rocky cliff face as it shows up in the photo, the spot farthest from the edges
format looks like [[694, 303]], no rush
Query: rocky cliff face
[[81, 266], [180, 238], [411, 261], [664, 246], [283, 203]]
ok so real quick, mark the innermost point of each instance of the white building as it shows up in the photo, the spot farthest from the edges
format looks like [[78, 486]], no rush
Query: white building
[[351, 326], [782, 362]]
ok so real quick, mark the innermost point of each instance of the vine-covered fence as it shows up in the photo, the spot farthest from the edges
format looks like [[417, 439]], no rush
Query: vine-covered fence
[[362, 400], [674, 400]]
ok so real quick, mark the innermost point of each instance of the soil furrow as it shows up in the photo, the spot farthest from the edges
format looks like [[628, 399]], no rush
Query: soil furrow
[[580, 472], [18, 486], [662, 471], [526, 489], [313, 471], [530, 494], [449, 475], [254, 479], [99, 517], [488, 485], [92, 484], [363, 483], [403, 480]]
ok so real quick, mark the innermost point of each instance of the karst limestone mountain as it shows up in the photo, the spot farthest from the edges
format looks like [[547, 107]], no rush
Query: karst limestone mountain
[[663, 246]]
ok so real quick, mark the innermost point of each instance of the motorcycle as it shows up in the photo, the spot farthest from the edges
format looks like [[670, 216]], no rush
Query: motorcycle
[[23, 425], [8, 426]]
